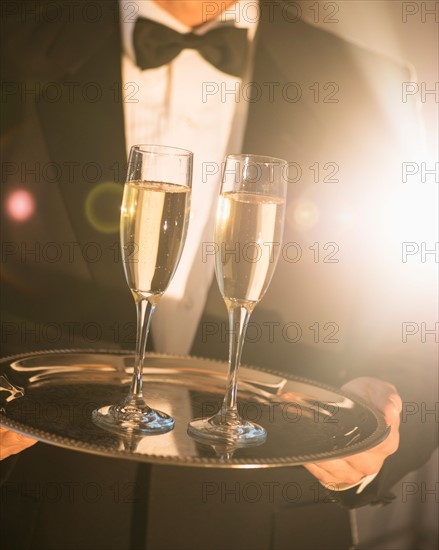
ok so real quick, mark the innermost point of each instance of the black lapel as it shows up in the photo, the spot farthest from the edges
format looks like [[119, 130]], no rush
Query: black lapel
[[84, 130], [280, 105]]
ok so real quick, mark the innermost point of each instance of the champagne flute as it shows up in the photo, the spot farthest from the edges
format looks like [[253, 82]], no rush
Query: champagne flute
[[153, 227], [248, 233]]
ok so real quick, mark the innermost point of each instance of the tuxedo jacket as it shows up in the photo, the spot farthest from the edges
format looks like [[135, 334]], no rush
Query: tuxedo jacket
[[330, 108]]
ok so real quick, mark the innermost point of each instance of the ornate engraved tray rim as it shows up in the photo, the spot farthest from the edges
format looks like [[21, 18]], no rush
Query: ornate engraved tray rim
[[377, 436]]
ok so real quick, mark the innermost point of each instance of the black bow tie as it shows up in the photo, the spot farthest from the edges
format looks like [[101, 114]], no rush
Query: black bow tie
[[156, 45]]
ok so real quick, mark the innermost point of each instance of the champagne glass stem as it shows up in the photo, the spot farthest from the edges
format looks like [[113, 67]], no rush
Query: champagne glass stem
[[145, 308], [239, 317], [153, 223]]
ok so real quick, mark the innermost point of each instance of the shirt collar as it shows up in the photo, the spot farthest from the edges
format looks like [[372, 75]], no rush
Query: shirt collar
[[244, 14]]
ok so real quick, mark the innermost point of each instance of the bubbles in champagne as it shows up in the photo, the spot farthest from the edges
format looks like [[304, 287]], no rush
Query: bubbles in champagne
[[248, 233], [154, 221]]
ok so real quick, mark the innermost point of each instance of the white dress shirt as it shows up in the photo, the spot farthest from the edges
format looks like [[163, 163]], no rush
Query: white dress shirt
[[165, 106]]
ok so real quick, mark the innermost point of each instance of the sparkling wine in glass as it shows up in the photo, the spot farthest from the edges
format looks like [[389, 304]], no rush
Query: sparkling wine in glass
[[248, 234], [153, 227]]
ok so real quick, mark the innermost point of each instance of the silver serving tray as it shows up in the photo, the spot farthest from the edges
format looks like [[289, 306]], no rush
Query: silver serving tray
[[51, 396]]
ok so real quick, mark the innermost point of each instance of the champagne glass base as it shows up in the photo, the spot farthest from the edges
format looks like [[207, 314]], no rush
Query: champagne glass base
[[132, 417], [239, 433]]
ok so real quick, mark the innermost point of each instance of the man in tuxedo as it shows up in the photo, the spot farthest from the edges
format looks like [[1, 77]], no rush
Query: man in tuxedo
[[80, 88]]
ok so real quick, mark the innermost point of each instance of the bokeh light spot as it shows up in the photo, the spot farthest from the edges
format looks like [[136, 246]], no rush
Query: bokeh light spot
[[303, 215], [20, 205], [102, 206]]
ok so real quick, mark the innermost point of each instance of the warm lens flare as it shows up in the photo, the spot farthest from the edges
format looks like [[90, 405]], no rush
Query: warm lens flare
[[20, 205]]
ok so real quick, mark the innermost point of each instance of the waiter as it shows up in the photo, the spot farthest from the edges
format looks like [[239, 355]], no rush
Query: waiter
[[88, 84]]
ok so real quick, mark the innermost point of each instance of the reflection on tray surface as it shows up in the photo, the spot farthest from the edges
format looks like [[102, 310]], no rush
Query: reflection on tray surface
[[55, 394]]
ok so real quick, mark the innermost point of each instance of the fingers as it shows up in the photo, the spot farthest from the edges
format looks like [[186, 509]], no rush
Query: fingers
[[353, 469], [367, 463], [377, 392], [392, 409], [384, 396], [337, 472], [12, 443], [390, 444], [380, 394]]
